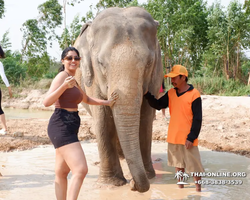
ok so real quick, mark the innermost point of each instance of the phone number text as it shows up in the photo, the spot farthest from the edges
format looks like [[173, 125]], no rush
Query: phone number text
[[219, 182]]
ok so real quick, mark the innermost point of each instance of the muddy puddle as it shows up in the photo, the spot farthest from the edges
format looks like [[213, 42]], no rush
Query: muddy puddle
[[26, 113], [30, 175]]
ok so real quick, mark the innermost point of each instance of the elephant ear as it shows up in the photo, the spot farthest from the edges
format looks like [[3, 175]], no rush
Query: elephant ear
[[83, 47], [157, 74]]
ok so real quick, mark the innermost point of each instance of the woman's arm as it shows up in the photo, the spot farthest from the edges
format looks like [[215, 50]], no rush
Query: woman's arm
[[61, 82], [3, 76], [10, 91], [94, 101]]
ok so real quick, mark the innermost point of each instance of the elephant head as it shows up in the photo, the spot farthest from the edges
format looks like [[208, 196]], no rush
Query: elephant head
[[120, 52]]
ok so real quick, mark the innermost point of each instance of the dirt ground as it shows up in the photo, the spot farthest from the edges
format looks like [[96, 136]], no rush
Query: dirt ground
[[225, 127]]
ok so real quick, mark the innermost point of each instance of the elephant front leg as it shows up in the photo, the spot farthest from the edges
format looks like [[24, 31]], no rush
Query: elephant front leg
[[110, 168], [146, 123]]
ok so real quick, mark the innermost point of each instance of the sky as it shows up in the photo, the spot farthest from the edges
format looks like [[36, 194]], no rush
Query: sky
[[18, 11]]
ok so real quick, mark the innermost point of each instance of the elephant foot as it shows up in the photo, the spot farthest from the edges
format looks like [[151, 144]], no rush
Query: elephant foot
[[150, 173], [116, 181], [134, 187]]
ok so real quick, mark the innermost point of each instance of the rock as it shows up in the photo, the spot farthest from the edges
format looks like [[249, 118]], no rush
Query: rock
[[18, 134]]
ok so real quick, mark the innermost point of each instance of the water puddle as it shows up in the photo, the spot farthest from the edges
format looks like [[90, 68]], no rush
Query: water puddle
[[30, 175], [26, 113]]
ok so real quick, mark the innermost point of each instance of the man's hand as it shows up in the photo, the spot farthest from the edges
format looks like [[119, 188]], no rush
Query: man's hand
[[188, 144]]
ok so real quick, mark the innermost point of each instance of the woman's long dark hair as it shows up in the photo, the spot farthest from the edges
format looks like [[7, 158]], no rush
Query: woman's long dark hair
[[2, 55], [64, 54]]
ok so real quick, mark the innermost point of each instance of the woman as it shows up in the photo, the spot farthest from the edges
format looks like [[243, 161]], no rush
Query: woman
[[64, 124], [4, 130]]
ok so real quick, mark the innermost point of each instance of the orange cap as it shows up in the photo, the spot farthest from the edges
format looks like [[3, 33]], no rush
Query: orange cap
[[177, 70]]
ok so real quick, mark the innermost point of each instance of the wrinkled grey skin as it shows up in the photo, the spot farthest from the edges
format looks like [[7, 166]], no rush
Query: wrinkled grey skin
[[120, 52]]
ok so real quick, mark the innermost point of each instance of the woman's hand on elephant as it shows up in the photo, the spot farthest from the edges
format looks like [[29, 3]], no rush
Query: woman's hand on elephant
[[112, 99]]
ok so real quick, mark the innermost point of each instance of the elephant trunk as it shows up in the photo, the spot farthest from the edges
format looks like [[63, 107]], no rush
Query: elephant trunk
[[127, 121]]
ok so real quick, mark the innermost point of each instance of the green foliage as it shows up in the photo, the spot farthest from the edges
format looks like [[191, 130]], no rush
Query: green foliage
[[182, 30], [34, 39], [217, 35], [2, 9], [102, 4], [14, 70], [220, 86], [50, 75], [208, 41], [50, 17], [245, 68], [5, 42], [53, 70], [228, 35], [89, 16], [37, 66], [73, 2], [68, 37], [247, 6]]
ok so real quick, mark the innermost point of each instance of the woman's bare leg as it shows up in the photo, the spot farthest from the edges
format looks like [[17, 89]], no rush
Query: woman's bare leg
[[3, 122], [61, 172], [163, 111], [74, 157]]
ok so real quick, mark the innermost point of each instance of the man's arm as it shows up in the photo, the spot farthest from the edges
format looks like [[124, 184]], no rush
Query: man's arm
[[197, 120], [157, 103]]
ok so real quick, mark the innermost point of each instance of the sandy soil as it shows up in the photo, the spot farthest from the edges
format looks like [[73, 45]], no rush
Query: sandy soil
[[226, 124]]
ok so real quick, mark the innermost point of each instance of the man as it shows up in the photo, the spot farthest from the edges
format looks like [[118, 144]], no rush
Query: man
[[185, 110]]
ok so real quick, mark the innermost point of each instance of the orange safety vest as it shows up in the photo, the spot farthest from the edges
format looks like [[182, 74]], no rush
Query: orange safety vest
[[181, 116]]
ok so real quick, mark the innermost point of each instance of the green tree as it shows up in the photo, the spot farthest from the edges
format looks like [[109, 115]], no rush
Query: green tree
[[216, 53], [65, 3], [238, 21], [2, 9], [34, 39], [162, 12], [50, 18], [36, 34], [102, 4], [228, 35], [247, 6], [66, 38], [14, 70], [182, 30], [5, 42], [69, 36], [37, 66]]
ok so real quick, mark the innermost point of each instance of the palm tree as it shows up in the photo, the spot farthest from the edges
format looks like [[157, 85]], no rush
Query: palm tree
[[185, 176], [178, 175]]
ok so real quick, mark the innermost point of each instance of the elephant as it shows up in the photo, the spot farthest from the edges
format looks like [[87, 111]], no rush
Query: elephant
[[120, 52]]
